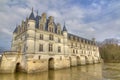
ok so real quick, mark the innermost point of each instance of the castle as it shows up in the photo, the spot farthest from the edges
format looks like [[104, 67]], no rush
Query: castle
[[39, 44]]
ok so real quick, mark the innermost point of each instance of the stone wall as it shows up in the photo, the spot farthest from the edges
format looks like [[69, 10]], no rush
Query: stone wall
[[33, 63], [37, 66], [9, 61]]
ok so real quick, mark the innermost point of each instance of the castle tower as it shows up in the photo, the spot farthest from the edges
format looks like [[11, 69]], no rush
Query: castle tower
[[30, 41], [65, 41]]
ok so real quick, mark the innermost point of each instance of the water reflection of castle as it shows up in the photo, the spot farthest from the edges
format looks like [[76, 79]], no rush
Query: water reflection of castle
[[41, 44]]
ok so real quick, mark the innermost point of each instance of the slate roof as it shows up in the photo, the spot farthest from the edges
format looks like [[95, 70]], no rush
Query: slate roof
[[16, 29], [38, 18], [64, 28], [75, 36], [31, 17]]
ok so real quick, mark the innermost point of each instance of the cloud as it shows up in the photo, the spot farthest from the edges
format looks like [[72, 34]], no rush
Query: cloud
[[92, 18]]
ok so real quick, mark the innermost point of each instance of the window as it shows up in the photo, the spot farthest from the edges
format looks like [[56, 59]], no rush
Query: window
[[59, 49], [50, 47], [59, 32], [41, 27], [41, 47], [73, 51], [24, 48], [51, 29], [59, 40], [39, 57], [76, 44], [41, 36], [50, 37], [80, 46], [76, 51], [71, 37], [71, 44], [28, 25]]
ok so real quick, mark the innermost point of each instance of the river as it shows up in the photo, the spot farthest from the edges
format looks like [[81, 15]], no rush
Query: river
[[107, 71]]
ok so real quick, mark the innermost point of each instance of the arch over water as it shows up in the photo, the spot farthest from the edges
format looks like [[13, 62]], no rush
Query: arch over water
[[51, 63], [86, 59], [17, 68], [70, 61], [78, 60]]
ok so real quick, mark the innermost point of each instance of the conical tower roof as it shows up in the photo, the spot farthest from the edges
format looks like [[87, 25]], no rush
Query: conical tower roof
[[31, 17], [64, 27]]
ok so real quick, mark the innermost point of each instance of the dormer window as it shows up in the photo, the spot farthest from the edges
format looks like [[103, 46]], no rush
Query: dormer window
[[41, 27], [51, 29], [59, 32]]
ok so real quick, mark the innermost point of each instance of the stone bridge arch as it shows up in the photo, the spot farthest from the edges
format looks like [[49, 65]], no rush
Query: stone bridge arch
[[86, 59], [89, 59], [78, 60], [17, 67], [51, 63]]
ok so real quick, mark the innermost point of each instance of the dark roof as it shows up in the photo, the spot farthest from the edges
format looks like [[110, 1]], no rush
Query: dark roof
[[69, 35], [31, 17], [37, 21], [16, 29], [64, 28]]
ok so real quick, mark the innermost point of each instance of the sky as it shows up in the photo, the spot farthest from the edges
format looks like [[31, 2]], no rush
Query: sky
[[86, 18]]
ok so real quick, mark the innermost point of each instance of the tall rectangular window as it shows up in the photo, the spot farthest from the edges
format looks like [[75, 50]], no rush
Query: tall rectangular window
[[59, 49], [51, 37], [59, 40], [50, 47], [41, 26], [59, 32], [41, 47], [41, 36], [71, 45]]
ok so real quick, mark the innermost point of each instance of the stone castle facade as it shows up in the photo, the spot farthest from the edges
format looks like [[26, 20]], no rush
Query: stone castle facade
[[39, 44]]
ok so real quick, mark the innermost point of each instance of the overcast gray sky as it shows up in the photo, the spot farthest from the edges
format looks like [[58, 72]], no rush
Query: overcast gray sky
[[86, 18]]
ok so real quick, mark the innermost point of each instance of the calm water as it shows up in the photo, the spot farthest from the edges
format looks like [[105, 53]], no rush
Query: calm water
[[89, 72]]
